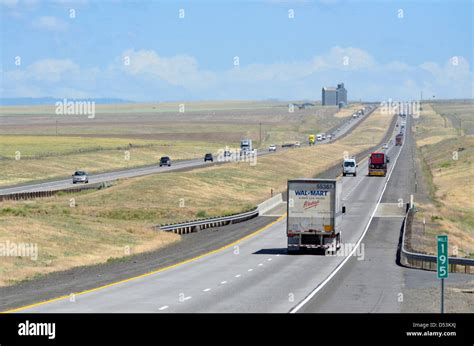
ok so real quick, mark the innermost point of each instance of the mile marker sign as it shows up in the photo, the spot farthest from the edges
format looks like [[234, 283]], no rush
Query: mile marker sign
[[442, 257]]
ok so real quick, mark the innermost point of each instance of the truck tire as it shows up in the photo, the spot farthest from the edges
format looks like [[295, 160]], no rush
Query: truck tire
[[343, 174], [355, 174]]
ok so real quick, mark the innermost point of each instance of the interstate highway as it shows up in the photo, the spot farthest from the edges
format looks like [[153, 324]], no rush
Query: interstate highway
[[346, 127], [254, 275]]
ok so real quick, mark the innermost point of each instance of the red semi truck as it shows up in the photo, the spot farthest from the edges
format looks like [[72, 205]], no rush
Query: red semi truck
[[399, 139], [378, 164]]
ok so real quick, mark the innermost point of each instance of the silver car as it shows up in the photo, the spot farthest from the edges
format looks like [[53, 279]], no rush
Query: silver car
[[80, 177]]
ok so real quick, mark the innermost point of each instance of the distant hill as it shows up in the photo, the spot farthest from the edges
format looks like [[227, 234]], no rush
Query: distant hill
[[33, 101]]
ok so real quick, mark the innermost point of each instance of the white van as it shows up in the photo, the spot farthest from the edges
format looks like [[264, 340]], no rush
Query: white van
[[349, 166], [319, 137]]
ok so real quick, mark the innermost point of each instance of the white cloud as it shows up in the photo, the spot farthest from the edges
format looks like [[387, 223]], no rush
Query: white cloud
[[150, 76], [180, 70], [9, 3], [50, 23]]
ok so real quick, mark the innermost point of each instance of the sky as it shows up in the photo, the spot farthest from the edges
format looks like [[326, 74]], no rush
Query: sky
[[219, 50]]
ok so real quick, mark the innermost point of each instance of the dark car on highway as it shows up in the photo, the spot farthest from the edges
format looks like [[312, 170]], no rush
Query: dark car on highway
[[165, 161], [208, 157]]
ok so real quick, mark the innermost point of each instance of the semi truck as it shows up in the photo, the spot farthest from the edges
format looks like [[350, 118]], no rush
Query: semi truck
[[378, 164], [399, 139], [314, 214], [246, 147], [311, 139]]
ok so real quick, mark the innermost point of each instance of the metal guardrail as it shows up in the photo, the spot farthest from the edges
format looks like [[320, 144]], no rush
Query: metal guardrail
[[195, 226], [424, 261], [49, 193]]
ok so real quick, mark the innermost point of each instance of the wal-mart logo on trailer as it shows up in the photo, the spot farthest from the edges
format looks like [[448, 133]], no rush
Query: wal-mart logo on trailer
[[311, 193]]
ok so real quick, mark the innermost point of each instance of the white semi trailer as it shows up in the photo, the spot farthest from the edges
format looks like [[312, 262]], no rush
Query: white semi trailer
[[314, 214]]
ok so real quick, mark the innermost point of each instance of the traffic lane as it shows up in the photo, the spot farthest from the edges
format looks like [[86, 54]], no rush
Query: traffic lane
[[366, 285], [103, 177], [261, 263], [165, 287]]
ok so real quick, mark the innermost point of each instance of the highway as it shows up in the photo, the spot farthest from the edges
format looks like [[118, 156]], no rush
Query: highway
[[253, 275], [61, 184]]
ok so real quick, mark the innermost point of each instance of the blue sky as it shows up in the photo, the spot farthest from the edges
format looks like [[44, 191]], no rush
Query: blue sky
[[144, 51]]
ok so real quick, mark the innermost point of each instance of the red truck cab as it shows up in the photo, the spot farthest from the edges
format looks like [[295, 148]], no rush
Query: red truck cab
[[378, 164]]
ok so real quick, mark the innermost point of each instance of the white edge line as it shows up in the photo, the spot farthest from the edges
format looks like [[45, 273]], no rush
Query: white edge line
[[340, 265]]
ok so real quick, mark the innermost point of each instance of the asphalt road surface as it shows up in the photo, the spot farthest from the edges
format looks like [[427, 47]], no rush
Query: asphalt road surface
[[255, 275], [61, 184], [378, 283]]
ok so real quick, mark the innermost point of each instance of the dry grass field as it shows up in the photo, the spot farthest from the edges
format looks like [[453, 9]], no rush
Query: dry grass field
[[53, 146], [447, 152], [105, 222]]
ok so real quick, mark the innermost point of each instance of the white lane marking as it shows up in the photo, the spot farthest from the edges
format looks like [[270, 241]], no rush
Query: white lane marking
[[163, 307], [250, 270], [223, 282], [206, 290], [186, 298], [237, 276], [269, 259], [336, 270], [278, 255], [260, 264]]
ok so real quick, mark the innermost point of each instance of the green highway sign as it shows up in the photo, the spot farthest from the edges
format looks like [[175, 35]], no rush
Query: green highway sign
[[442, 257]]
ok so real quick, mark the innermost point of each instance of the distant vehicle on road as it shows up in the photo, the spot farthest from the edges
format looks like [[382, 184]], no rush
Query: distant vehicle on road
[[378, 164], [80, 177], [272, 147], [385, 146], [288, 145], [227, 153], [399, 139], [311, 139], [208, 157], [297, 144], [319, 137], [246, 147], [165, 161], [329, 136], [314, 217], [323, 136], [349, 166]]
